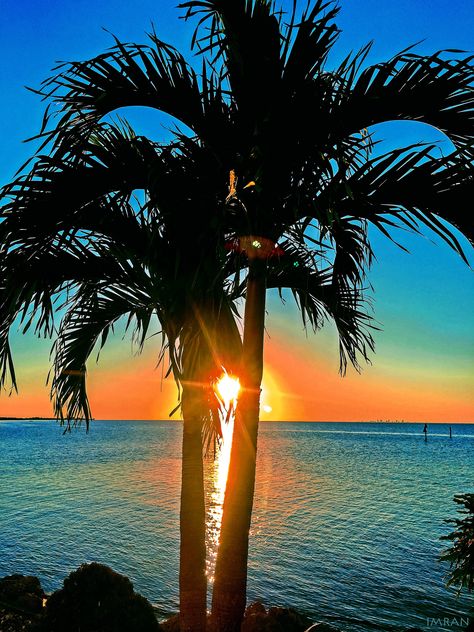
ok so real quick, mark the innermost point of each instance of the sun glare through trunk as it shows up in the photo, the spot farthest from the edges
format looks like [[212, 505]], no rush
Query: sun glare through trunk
[[228, 388]]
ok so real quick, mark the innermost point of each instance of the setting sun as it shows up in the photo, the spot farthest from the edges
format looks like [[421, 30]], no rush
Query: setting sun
[[228, 388]]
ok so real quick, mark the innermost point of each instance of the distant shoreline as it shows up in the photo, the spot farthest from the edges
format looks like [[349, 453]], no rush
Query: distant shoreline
[[265, 421], [40, 419], [27, 418]]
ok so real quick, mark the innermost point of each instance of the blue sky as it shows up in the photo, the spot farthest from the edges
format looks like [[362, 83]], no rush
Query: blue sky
[[424, 300]]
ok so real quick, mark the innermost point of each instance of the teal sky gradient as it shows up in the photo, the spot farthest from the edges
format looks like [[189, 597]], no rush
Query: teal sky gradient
[[424, 301]]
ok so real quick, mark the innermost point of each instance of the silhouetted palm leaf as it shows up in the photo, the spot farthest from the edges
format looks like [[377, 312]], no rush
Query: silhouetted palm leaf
[[430, 89], [89, 320], [33, 284], [406, 188], [155, 76], [320, 296]]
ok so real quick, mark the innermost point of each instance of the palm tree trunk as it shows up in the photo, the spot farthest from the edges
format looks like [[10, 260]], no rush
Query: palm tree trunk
[[230, 584], [192, 563]]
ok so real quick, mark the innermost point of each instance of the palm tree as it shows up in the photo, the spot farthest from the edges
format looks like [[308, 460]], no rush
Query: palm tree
[[306, 160], [73, 241], [72, 233], [293, 140]]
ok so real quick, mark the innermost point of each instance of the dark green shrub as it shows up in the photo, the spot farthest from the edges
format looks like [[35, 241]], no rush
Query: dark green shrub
[[96, 599], [460, 554]]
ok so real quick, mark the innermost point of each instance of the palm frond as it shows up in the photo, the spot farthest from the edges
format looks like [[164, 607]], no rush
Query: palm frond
[[307, 41], [407, 188], [33, 286], [92, 192], [155, 76], [430, 89], [88, 321], [246, 34], [320, 298]]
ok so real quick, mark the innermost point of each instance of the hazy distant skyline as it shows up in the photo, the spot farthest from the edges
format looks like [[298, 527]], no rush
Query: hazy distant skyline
[[423, 368]]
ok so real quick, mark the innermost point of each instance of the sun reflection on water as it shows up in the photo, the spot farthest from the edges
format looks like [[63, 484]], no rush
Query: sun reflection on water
[[217, 470], [216, 475]]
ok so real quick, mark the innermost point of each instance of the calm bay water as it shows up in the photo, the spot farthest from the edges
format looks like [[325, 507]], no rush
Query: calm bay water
[[346, 523]]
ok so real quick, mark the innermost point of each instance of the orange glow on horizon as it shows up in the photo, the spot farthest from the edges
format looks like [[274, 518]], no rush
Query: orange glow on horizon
[[314, 391], [301, 383]]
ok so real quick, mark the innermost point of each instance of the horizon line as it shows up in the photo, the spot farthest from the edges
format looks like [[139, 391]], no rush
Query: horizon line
[[276, 421]]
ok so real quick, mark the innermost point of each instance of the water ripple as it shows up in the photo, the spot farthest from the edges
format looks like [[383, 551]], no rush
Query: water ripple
[[346, 524]]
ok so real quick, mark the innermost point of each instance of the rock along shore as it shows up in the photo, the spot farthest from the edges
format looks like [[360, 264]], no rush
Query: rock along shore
[[96, 599]]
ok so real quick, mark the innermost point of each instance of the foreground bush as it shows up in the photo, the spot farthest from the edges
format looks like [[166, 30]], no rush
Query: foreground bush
[[460, 555], [97, 599], [21, 603], [23, 593]]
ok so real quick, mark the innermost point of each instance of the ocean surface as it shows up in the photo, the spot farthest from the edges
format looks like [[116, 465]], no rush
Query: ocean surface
[[346, 523]]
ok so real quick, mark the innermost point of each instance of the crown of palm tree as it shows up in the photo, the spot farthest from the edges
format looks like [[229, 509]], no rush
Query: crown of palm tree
[[79, 240], [294, 136]]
